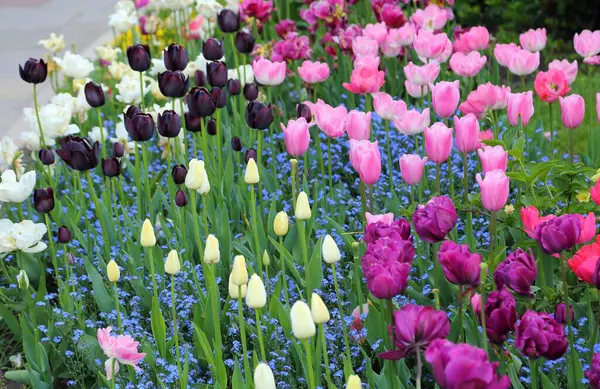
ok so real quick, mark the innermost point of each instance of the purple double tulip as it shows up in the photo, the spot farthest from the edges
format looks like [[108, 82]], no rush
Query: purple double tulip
[[398, 230], [386, 265], [540, 335], [558, 234], [518, 272], [434, 220], [460, 266], [560, 313], [500, 315], [593, 373]]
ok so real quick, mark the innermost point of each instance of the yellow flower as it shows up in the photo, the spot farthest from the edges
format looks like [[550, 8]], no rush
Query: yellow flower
[[239, 273], [112, 271], [251, 177], [353, 382], [281, 224], [318, 310], [583, 196], [172, 265], [147, 237], [509, 209], [303, 211]]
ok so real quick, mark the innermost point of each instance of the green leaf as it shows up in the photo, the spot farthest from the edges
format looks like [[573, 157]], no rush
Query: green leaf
[[103, 299], [20, 376], [547, 382], [315, 267], [159, 329], [11, 321], [514, 378]]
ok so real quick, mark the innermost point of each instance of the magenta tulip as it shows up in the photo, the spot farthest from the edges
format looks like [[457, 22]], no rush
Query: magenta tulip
[[493, 158], [572, 110], [467, 133], [520, 105], [411, 168], [445, 96], [494, 189], [438, 142], [460, 266], [366, 160], [358, 125], [313, 72], [296, 136]]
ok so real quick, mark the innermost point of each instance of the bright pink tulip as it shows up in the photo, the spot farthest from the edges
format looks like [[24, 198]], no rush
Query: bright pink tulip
[[377, 32], [429, 45], [588, 228], [366, 160], [467, 133], [421, 75], [595, 193], [267, 72], [485, 98], [363, 46], [431, 18], [332, 121], [296, 136], [587, 43], [259, 9], [392, 15], [533, 40], [467, 65], [358, 125], [392, 46], [493, 158], [551, 85], [386, 107], [503, 52], [472, 39], [365, 79], [313, 72], [494, 189], [569, 69], [445, 96], [385, 218], [414, 90], [485, 135], [530, 218], [412, 122], [523, 62], [118, 349], [572, 110], [438, 142], [406, 35], [411, 168], [520, 105]]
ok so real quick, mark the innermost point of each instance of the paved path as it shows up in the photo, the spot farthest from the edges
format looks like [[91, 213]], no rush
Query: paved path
[[22, 24]]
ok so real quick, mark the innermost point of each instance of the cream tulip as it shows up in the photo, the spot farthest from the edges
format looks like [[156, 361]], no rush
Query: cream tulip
[[263, 377], [196, 177], [303, 325], [281, 224], [330, 250], [239, 273], [147, 237], [172, 265], [251, 176], [212, 253], [318, 310], [257, 295], [112, 271], [234, 290], [353, 382], [303, 211]]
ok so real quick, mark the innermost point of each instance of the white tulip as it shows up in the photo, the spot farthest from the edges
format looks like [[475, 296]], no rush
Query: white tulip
[[158, 65], [53, 44], [122, 20], [129, 89], [9, 153], [118, 70], [95, 135], [303, 325], [25, 236], [13, 191], [257, 295], [55, 121], [318, 309], [108, 53], [196, 177], [74, 65], [330, 250], [234, 290], [263, 377], [23, 280]]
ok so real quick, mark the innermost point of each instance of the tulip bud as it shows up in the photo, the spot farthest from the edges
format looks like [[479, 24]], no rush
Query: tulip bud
[[34, 72], [234, 87], [217, 73], [70, 258], [212, 49], [353, 382], [178, 174], [318, 310], [64, 235], [46, 156], [234, 290], [172, 265], [212, 254], [168, 124], [303, 111], [147, 237], [139, 57], [257, 295], [181, 199], [281, 224], [258, 115], [330, 250], [239, 273], [263, 377], [175, 57], [228, 20], [303, 325], [196, 177], [94, 95], [250, 91], [193, 123], [251, 177], [211, 127], [111, 167], [23, 280], [249, 154], [199, 78], [43, 200], [236, 144], [219, 96], [112, 271], [173, 83], [266, 260], [244, 42], [303, 207], [118, 150]]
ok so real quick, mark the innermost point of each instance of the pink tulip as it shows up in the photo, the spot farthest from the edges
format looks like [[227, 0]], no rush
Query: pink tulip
[[595, 60], [392, 46], [363, 46], [523, 62], [494, 189], [385, 218], [118, 349], [267, 72], [429, 45], [533, 40], [467, 133], [503, 52], [446, 53], [358, 125], [332, 121], [493, 158], [392, 15], [421, 75], [485, 98], [472, 39], [485, 135], [313, 72], [366, 160], [431, 18], [569, 69], [367, 61], [412, 122], [411, 168], [386, 107], [588, 228], [438, 142], [467, 65], [406, 34], [572, 110], [445, 96], [296, 136], [378, 32], [520, 105], [416, 91], [587, 43], [365, 79]]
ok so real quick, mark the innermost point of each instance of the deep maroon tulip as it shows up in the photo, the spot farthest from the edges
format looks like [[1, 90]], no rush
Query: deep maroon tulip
[[213, 49], [434, 220], [540, 335], [250, 153], [211, 127], [94, 95], [460, 266], [258, 115], [217, 73], [236, 144], [250, 91], [228, 21], [118, 150], [111, 167], [415, 327], [500, 315], [201, 102], [34, 72], [43, 200], [173, 84], [558, 234], [193, 123], [398, 230], [178, 174], [244, 42], [181, 199], [175, 57], [518, 272], [459, 366], [303, 111], [234, 87], [168, 124], [78, 153], [139, 57], [64, 235], [219, 96], [140, 126], [46, 156], [386, 265], [199, 78], [593, 373], [560, 313]]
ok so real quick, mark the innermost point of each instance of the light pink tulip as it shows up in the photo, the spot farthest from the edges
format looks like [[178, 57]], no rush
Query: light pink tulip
[[415, 91], [406, 34], [378, 32], [421, 75], [411, 168], [485, 98], [412, 122], [385, 218], [363, 46], [358, 125], [485, 135], [267, 72], [493, 158], [366, 160], [494, 189], [472, 39], [365, 79], [314, 72], [520, 105], [523, 62], [296, 136], [445, 96], [368, 61], [386, 107], [569, 69], [438, 142], [118, 349], [429, 45], [431, 18], [467, 133], [392, 46], [588, 228], [595, 60], [503, 52], [587, 43], [332, 121], [446, 53], [572, 110], [533, 40], [467, 65]]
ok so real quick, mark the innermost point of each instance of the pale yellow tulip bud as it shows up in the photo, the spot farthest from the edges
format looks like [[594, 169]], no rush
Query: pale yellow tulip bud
[[318, 309], [212, 254], [239, 273], [196, 177], [172, 265], [251, 177], [112, 271], [257, 295], [303, 207], [234, 290], [330, 250], [303, 325], [266, 260], [263, 377], [353, 382], [147, 237], [23, 280], [281, 224]]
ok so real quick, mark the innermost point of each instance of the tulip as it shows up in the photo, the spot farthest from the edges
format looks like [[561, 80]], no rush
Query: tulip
[[313, 72], [111, 167], [25, 236], [94, 95], [34, 71], [539, 335], [572, 110], [520, 105], [551, 85], [353, 382], [112, 271], [147, 237], [219, 96], [397, 230], [386, 219], [522, 62], [485, 98], [64, 235], [415, 91], [411, 168], [366, 160], [175, 57], [213, 49], [250, 154], [269, 73], [181, 199], [445, 96], [467, 65], [493, 158], [318, 310], [588, 228], [533, 40], [413, 122], [593, 373], [304, 111], [120, 349], [431, 18], [358, 125], [330, 251], [494, 189], [558, 234], [503, 52], [392, 45], [212, 253], [330, 120], [139, 57], [234, 87], [459, 265], [13, 191], [569, 69], [256, 297], [169, 124], [263, 377], [23, 280], [244, 42], [199, 78], [471, 39], [438, 142], [296, 136], [421, 75], [585, 264], [303, 211], [140, 126], [386, 265], [196, 177], [386, 107], [429, 45], [251, 176], [365, 79], [234, 290], [500, 315], [266, 260], [118, 150], [467, 133], [258, 115], [303, 326], [46, 156], [228, 20], [236, 144], [560, 313], [285, 27], [434, 220], [178, 173], [280, 224], [78, 153], [43, 200], [363, 46], [216, 73], [518, 272], [586, 43], [239, 273], [172, 265], [200, 103]]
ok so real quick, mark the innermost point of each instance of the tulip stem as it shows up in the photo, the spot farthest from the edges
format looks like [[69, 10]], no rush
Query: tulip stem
[[259, 167], [371, 190], [437, 179], [460, 313], [142, 91], [302, 239], [329, 167], [389, 156], [567, 310], [491, 259], [283, 275], [101, 125], [37, 115], [218, 139], [469, 225], [97, 207], [185, 138], [243, 335], [325, 356], [571, 145], [151, 260], [482, 278], [175, 334], [147, 179], [309, 369], [138, 177], [261, 342], [534, 372], [341, 310], [254, 229], [357, 278], [419, 369], [51, 244], [117, 307], [551, 130], [293, 171], [363, 201], [392, 370]]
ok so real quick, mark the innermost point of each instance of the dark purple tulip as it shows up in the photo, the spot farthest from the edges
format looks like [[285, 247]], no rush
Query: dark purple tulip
[[234, 87], [118, 150], [94, 95], [217, 73], [199, 78], [46, 156], [415, 327], [78, 153], [434, 220], [460, 266], [193, 123], [500, 315], [228, 21], [34, 72], [398, 230], [178, 174], [250, 92], [219, 96], [593, 373], [111, 167], [201, 102], [244, 42], [250, 153], [168, 124], [64, 235], [211, 127], [558, 234], [258, 115], [212, 49], [181, 199], [386, 265], [518, 272], [43, 200], [173, 84], [540, 335], [459, 366], [175, 57], [236, 144], [560, 313], [140, 126], [303, 111], [139, 57]]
